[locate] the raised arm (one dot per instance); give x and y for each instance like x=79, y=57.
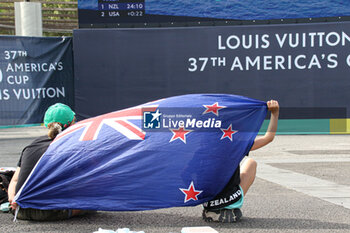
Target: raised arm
x=272, y=106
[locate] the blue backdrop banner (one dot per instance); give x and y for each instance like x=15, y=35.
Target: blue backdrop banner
x=304, y=66
x=34, y=73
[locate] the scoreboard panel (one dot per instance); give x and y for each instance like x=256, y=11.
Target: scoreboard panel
x=131, y=13
x=139, y=13
x=122, y=8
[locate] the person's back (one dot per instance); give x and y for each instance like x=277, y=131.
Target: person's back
x=58, y=117
x=30, y=156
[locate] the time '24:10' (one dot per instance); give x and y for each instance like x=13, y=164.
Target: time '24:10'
x=134, y=6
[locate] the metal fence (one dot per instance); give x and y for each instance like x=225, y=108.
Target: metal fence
x=59, y=17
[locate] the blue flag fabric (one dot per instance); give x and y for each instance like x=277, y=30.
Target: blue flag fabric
x=178, y=151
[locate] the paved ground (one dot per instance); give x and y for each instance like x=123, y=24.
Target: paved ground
x=303, y=185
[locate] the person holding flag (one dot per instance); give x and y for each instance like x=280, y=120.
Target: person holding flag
x=185, y=149
x=225, y=207
x=57, y=118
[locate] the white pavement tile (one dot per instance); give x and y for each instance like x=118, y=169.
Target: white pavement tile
x=312, y=186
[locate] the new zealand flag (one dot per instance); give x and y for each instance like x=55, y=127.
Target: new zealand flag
x=178, y=151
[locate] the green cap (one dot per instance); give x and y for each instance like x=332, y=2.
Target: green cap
x=59, y=113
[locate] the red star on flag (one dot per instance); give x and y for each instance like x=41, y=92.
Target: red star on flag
x=214, y=108
x=191, y=193
x=179, y=133
x=228, y=133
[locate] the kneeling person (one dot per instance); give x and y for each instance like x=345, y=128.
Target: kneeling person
x=225, y=207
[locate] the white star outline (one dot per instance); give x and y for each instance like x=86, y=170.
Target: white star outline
x=174, y=134
x=194, y=189
x=229, y=137
x=209, y=111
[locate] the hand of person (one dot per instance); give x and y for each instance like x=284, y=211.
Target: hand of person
x=13, y=205
x=273, y=106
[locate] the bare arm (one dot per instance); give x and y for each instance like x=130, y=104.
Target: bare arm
x=12, y=185
x=272, y=106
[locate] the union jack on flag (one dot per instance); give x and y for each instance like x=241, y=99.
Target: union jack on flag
x=110, y=162
x=120, y=121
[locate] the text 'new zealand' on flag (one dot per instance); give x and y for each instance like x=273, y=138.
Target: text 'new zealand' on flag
x=178, y=151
